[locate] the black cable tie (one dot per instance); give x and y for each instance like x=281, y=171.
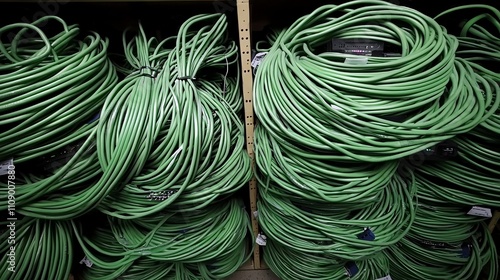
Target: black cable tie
x=154, y=71
x=186, y=78
x=148, y=75
x=151, y=68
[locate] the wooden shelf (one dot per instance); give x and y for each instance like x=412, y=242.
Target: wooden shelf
x=244, y=29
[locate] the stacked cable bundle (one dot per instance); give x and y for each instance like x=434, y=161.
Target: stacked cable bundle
x=162, y=131
x=355, y=117
x=51, y=90
x=170, y=143
x=167, y=136
x=334, y=130
x=158, y=153
x=445, y=242
x=473, y=178
x=208, y=244
x=337, y=237
x=36, y=249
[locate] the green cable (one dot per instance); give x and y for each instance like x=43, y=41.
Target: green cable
x=331, y=133
x=189, y=148
x=158, y=143
x=413, y=261
x=473, y=178
x=49, y=93
x=433, y=245
x=316, y=106
x=470, y=181
x=290, y=264
x=442, y=224
x=208, y=244
x=333, y=231
x=46, y=100
x=42, y=249
x=316, y=177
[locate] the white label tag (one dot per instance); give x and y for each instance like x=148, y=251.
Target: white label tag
x=261, y=239
x=86, y=261
x=335, y=107
x=388, y=277
x=4, y=166
x=480, y=212
x=255, y=214
x=362, y=60
x=258, y=59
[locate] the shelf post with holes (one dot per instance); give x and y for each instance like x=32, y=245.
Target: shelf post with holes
x=247, y=83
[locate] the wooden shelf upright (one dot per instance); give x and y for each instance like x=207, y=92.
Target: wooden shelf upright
x=244, y=26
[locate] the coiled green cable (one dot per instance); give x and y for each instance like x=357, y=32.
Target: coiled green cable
x=316, y=177
x=290, y=264
x=413, y=261
x=189, y=148
x=43, y=249
x=155, y=139
x=441, y=223
x=319, y=108
x=310, y=227
x=50, y=89
x=447, y=188
x=207, y=244
x=473, y=178
x=318, y=114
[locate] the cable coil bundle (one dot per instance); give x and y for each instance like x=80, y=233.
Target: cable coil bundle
x=347, y=117
x=444, y=242
x=174, y=141
x=208, y=244
x=291, y=264
x=334, y=231
x=335, y=128
x=51, y=90
x=36, y=249
x=159, y=153
x=170, y=143
x=473, y=178
x=411, y=260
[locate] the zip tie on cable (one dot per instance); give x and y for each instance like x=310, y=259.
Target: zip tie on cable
x=186, y=78
x=154, y=71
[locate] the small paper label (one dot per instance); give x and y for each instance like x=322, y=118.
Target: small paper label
x=261, y=239
x=335, y=107
x=388, y=277
x=258, y=59
x=480, y=212
x=255, y=214
x=356, y=60
x=4, y=166
x=86, y=261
